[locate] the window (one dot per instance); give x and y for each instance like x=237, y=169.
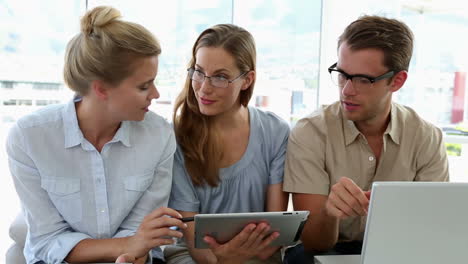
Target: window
x=7, y=84
x=33, y=36
x=287, y=35
x=47, y=86
x=46, y=102
x=24, y=102
x=10, y=102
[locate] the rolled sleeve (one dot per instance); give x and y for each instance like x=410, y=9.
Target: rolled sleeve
x=155, y=252
x=54, y=249
x=432, y=159
x=50, y=238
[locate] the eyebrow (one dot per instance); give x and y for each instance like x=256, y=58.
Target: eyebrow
x=356, y=75
x=145, y=83
x=217, y=71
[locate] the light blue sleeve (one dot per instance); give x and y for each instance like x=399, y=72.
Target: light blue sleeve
x=183, y=193
x=50, y=238
x=279, y=134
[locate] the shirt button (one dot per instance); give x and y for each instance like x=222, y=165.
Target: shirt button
x=102, y=211
x=371, y=158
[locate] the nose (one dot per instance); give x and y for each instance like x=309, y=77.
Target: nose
x=154, y=92
x=206, y=86
x=348, y=88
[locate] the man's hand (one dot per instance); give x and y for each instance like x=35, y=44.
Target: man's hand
x=250, y=242
x=346, y=200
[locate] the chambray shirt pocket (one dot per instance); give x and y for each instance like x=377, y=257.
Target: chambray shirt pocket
x=66, y=196
x=136, y=185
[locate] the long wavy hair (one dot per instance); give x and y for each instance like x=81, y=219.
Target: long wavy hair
x=195, y=132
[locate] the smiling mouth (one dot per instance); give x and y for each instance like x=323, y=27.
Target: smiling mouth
x=206, y=101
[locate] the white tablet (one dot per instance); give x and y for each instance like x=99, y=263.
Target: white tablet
x=223, y=227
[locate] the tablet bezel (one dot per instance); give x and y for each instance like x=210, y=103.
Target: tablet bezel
x=223, y=227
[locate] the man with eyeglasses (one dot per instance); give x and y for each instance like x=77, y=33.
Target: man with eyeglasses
x=335, y=154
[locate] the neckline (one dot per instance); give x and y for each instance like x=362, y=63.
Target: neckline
x=247, y=154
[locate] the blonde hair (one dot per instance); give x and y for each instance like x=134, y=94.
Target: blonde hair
x=194, y=131
x=105, y=49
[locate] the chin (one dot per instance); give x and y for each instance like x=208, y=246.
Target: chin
x=353, y=116
x=208, y=111
x=137, y=118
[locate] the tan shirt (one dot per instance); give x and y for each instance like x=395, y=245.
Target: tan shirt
x=324, y=147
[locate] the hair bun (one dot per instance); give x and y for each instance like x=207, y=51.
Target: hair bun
x=98, y=17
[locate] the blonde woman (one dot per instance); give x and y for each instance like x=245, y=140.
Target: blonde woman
x=230, y=156
x=91, y=173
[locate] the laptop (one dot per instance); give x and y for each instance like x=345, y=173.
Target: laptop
x=412, y=223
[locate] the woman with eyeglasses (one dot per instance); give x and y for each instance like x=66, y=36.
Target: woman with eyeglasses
x=230, y=156
x=91, y=173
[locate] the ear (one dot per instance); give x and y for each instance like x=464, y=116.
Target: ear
x=398, y=81
x=99, y=89
x=249, y=79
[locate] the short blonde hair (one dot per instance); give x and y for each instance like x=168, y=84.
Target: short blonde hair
x=105, y=49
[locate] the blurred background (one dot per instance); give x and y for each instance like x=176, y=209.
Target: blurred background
x=296, y=42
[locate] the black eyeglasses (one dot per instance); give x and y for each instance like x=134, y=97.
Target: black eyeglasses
x=216, y=81
x=360, y=81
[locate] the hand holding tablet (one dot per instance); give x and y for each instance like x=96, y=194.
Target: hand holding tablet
x=224, y=227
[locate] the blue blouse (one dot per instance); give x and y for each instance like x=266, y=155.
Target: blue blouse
x=243, y=185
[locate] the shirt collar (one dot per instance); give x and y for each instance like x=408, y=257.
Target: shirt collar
x=351, y=132
x=123, y=134
x=73, y=134
x=393, y=129
x=71, y=130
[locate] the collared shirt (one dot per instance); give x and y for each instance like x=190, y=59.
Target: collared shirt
x=325, y=146
x=69, y=191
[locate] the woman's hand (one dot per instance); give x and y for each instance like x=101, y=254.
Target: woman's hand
x=268, y=252
x=154, y=231
x=250, y=242
x=127, y=258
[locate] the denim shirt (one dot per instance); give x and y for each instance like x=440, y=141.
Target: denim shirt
x=69, y=191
